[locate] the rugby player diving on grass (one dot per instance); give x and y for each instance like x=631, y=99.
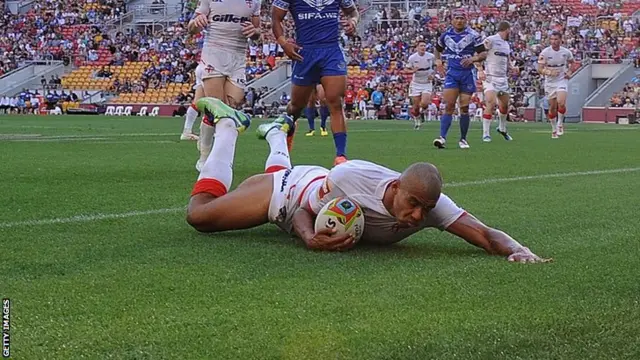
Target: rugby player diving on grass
x=395, y=205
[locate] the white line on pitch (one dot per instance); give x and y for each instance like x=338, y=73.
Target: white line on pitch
x=542, y=176
x=96, y=217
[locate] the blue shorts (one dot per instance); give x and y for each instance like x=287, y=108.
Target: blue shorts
x=465, y=81
x=318, y=62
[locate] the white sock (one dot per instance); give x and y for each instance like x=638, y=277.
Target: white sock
x=206, y=140
x=554, y=127
x=560, y=119
x=220, y=162
x=486, y=127
x=189, y=120
x=279, y=155
x=502, y=124
x=416, y=121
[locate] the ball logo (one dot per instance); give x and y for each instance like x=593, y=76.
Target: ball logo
x=330, y=223
x=345, y=211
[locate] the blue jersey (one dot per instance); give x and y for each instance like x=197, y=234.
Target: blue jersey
x=317, y=21
x=456, y=46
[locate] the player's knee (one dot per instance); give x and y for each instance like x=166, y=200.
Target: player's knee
x=333, y=102
x=199, y=221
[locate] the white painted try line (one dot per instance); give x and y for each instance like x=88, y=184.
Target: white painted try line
x=89, y=218
x=543, y=176
x=96, y=217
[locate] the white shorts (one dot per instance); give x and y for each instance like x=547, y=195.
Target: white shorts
x=551, y=89
x=199, y=73
x=289, y=187
x=496, y=84
x=419, y=89
x=221, y=63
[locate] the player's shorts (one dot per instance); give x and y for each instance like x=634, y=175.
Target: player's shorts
x=416, y=89
x=464, y=81
x=377, y=107
x=318, y=62
x=551, y=89
x=497, y=84
x=221, y=63
x=348, y=107
x=199, y=73
x=289, y=186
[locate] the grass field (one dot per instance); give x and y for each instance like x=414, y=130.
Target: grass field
x=99, y=262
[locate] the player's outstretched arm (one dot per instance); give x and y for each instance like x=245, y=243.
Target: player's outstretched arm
x=493, y=241
x=303, y=225
x=352, y=16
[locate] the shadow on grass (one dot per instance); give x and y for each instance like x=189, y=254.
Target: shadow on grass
x=273, y=238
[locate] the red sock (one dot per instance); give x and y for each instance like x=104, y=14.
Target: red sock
x=487, y=116
x=209, y=186
x=193, y=106
x=274, y=168
x=562, y=110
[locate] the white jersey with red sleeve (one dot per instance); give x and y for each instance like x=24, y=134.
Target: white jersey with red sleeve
x=365, y=183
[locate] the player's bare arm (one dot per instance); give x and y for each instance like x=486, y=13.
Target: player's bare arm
x=480, y=56
x=543, y=69
x=352, y=18
x=569, y=73
x=252, y=29
x=438, y=55
x=277, y=17
x=198, y=23
x=493, y=241
x=303, y=225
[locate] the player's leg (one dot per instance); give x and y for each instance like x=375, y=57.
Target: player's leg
x=324, y=110
x=415, y=110
x=212, y=87
x=503, y=109
x=310, y=114
x=553, y=113
x=191, y=116
x=304, y=77
x=211, y=207
x=276, y=135
x=425, y=101
x=465, y=120
x=450, y=97
x=562, y=110
x=489, y=106
x=334, y=87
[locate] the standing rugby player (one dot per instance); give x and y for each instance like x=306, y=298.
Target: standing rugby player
x=228, y=24
x=461, y=46
x=317, y=58
x=420, y=64
x=495, y=81
x=554, y=64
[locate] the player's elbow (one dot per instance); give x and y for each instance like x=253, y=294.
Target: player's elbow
x=200, y=223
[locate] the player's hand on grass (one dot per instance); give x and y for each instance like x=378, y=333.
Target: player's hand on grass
x=349, y=26
x=326, y=239
x=249, y=30
x=200, y=22
x=292, y=51
x=524, y=256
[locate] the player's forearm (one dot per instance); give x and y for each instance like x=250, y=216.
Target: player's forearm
x=303, y=223
x=478, y=58
x=276, y=26
x=500, y=243
x=353, y=15
x=192, y=28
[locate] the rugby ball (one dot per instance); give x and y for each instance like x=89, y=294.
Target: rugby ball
x=342, y=214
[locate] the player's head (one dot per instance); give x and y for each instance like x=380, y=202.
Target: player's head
x=555, y=40
x=459, y=19
x=416, y=192
x=503, y=29
x=422, y=47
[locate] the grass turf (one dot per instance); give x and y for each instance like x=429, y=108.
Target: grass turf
x=146, y=286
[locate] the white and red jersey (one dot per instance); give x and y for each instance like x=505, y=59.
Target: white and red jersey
x=497, y=61
x=224, y=31
x=423, y=65
x=365, y=183
x=555, y=60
